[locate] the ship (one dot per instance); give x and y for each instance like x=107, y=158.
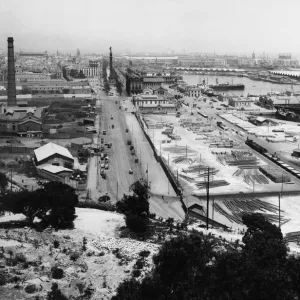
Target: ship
x=227, y=87
x=288, y=112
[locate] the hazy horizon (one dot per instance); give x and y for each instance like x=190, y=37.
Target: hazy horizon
x=232, y=26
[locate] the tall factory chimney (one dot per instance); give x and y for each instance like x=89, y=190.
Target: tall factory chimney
x=11, y=80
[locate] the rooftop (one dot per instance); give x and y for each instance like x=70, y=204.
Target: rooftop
x=50, y=149
x=55, y=169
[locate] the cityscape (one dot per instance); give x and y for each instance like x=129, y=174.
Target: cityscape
x=141, y=161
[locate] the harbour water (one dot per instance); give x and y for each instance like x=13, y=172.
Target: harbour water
x=252, y=87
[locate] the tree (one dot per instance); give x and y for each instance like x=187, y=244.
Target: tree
x=191, y=267
x=136, y=223
x=133, y=204
x=3, y=182
x=54, y=203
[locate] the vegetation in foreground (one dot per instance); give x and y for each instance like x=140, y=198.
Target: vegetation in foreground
x=196, y=267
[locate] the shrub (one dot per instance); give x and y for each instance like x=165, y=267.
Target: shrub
x=144, y=253
x=57, y=273
x=56, y=244
x=20, y=258
x=136, y=273
x=56, y=293
x=117, y=253
x=139, y=264
x=84, y=242
x=3, y=277
x=107, y=206
x=136, y=223
x=74, y=255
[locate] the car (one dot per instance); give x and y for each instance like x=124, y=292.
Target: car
x=102, y=165
x=130, y=171
x=106, y=166
x=111, y=118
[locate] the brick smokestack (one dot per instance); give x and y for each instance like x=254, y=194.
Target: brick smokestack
x=11, y=80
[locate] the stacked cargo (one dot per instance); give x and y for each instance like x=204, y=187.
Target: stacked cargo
x=275, y=174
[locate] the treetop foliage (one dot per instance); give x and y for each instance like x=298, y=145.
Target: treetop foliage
x=193, y=267
x=54, y=203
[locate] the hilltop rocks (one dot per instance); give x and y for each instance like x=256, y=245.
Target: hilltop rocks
x=127, y=246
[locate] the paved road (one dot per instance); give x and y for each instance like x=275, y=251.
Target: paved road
x=120, y=159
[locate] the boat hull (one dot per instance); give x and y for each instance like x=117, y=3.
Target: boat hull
x=228, y=87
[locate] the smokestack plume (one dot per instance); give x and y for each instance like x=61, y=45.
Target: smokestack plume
x=11, y=80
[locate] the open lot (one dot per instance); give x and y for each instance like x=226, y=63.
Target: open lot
x=195, y=149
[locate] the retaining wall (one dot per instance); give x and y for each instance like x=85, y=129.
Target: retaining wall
x=168, y=173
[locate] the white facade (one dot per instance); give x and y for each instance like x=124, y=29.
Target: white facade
x=90, y=72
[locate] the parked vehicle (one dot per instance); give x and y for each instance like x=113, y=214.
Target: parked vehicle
x=113, y=126
x=130, y=171
x=104, y=132
x=129, y=142
x=106, y=166
x=102, y=165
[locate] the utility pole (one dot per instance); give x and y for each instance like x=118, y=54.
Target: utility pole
x=279, y=198
x=168, y=160
x=147, y=175
x=177, y=176
x=279, y=210
x=213, y=208
x=185, y=151
x=160, y=150
x=207, y=203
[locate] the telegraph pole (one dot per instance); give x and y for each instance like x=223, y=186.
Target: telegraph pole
x=279, y=198
x=207, y=203
x=147, y=175
x=213, y=208
x=185, y=151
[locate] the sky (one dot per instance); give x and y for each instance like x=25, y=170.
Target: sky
x=223, y=26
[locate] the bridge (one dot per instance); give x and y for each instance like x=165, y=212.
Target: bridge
x=204, y=69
